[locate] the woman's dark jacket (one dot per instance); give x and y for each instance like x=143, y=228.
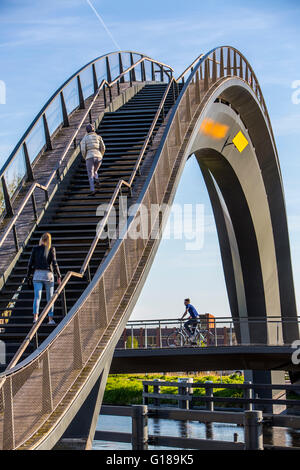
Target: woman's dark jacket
x=41, y=258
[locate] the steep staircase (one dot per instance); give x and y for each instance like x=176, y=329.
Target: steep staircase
x=71, y=218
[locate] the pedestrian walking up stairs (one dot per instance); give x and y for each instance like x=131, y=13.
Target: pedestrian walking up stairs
x=53, y=378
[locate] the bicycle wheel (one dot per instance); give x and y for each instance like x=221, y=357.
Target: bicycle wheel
x=176, y=339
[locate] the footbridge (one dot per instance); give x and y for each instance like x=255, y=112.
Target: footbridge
x=53, y=378
x=148, y=346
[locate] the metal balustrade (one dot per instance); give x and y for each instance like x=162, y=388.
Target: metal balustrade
x=37, y=392
x=98, y=75
x=153, y=333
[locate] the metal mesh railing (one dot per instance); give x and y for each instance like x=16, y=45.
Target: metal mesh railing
x=35, y=389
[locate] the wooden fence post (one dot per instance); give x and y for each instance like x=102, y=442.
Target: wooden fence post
x=253, y=430
x=156, y=389
x=209, y=393
x=248, y=393
x=139, y=427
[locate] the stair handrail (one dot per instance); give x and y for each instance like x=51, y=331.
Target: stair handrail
x=22, y=144
x=12, y=222
x=34, y=330
x=104, y=221
x=255, y=87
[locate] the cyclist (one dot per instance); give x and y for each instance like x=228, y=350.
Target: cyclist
x=192, y=321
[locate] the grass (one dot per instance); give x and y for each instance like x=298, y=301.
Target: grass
x=127, y=389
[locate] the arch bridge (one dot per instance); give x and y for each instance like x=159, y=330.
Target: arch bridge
x=54, y=377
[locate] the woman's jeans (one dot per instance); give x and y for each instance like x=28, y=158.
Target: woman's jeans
x=92, y=166
x=38, y=289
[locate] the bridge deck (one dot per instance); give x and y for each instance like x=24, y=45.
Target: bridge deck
x=202, y=359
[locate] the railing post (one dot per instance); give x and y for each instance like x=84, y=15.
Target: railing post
x=183, y=389
x=156, y=389
x=34, y=206
x=253, y=430
x=228, y=69
x=152, y=72
x=209, y=394
x=145, y=390
x=214, y=68
x=216, y=336
x=64, y=110
x=246, y=73
x=248, y=394
x=47, y=133
x=162, y=76
x=95, y=79
x=29, y=171
x=63, y=302
x=197, y=85
x=132, y=71
x=16, y=240
x=8, y=416
x=241, y=74
x=160, y=339
x=108, y=73
x=221, y=62
x=206, y=75
x=80, y=93
x=47, y=386
x=121, y=70
x=146, y=337
x=104, y=96
x=139, y=427
x=234, y=64
x=7, y=200
x=143, y=75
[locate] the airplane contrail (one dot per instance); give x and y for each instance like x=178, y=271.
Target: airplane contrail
x=103, y=24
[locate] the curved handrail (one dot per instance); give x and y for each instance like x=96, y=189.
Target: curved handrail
x=59, y=93
x=108, y=267
x=12, y=222
x=100, y=230
x=122, y=183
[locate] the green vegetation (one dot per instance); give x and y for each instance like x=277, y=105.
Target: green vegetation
x=126, y=389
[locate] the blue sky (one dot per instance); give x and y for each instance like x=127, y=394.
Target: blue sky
x=42, y=43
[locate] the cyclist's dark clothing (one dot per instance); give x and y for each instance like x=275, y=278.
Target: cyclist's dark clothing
x=191, y=322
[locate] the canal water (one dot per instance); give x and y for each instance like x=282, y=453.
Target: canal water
x=190, y=429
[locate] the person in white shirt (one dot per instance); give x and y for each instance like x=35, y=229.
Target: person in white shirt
x=92, y=150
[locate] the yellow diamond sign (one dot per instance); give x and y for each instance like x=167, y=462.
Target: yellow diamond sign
x=240, y=141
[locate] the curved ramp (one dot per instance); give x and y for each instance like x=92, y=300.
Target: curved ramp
x=43, y=394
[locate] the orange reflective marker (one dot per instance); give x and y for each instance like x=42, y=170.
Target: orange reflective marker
x=214, y=129
x=240, y=141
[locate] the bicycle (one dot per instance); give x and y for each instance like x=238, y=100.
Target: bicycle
x=180, y=337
